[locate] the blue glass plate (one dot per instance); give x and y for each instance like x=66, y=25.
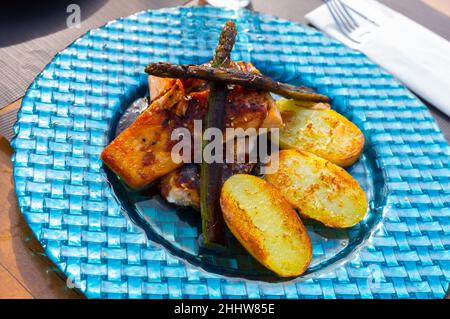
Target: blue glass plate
x=113, y=243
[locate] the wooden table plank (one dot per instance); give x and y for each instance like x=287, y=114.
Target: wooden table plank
x=443, y=6
x=11, y=288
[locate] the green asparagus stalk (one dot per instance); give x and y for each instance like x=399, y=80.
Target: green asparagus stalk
x=213, y=225
x=233, y=76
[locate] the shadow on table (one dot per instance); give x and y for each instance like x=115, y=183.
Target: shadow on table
x=22, y=21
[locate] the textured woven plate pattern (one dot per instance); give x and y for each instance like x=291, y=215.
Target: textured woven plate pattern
x=64, y=194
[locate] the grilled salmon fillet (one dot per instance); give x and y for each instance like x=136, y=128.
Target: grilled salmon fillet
x=245, y=107
x=182, y=186
x=142, y=152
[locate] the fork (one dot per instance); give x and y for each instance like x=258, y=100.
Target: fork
x=347, y=24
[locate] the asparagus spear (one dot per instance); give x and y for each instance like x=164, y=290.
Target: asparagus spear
x=226, y=43
x=231, y=76
x=213, y=225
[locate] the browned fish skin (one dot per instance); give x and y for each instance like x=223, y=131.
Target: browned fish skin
x=244, y=107
x=142, y=152
x=182, y=186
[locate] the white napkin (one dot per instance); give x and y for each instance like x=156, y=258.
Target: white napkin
x=415, y=55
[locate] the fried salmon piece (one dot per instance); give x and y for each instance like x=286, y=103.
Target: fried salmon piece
x=158, y=86
x=245, y=108
x=139, y=154
x=182, y=186
x=273, y=117
x=142, y=152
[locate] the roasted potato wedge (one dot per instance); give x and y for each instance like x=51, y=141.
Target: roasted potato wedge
x=305, y=104
x=320, y=189
x=323, y=132
x=266, y=225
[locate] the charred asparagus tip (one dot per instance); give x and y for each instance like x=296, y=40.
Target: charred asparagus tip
x=226, y=43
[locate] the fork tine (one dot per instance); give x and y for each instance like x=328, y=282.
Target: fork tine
x=337, y=18
x=343, y=25
x=348, y=8
x=342, y=14
x=346, y=13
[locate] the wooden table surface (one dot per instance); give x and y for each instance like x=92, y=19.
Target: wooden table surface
x=25, y=272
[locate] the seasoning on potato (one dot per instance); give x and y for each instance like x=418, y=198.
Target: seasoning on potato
x=320, y=131
x=320, y=189
x=266, y=224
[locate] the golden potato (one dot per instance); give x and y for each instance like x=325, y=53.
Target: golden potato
x=323, y=132
x=266, y=225
x=320, y=189
x=306, y=104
